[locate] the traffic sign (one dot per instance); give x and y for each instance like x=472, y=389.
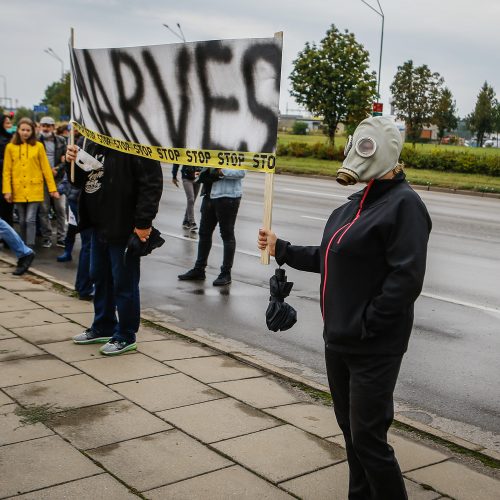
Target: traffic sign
x=40, y=108
x=377, y=109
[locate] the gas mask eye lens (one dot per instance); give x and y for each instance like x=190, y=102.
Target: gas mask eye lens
x=366, y=147
x=348, y=145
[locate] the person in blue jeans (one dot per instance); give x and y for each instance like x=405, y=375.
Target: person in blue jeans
x=120, y=196
x=23, y=253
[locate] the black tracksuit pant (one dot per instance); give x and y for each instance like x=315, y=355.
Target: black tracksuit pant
x=222, y=211
x=362, y=389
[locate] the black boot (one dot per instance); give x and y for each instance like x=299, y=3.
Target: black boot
x=223, y=279
x=23, y=264
x=195, y=274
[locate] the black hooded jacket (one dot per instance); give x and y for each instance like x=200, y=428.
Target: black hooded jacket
x=128, y=196
x=372, y=263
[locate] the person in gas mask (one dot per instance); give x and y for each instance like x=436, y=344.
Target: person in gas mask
x=372, y=262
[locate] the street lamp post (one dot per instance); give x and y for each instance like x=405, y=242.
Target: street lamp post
x=51, y=53
x=380, y=12
x=181, y=36
x=4, y=88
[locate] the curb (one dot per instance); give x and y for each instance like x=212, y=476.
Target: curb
x=220, y=346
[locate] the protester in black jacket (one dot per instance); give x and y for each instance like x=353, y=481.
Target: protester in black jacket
x=372, y=263
x=118, y=198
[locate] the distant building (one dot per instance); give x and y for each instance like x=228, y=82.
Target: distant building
x=285, y=122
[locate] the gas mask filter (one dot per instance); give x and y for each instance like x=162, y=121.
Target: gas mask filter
x=371, y=152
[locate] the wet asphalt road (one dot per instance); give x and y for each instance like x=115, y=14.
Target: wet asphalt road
x=450, y=375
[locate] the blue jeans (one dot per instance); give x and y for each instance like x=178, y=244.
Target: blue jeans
x=27, y=221
x=116, y=289
x=83, y=283
x=16, y=244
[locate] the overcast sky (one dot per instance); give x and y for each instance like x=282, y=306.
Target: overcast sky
x=459, y=39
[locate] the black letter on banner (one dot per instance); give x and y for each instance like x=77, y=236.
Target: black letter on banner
x=177, y=134
x=130, y=105
x=270, y=53
x=102, y=117
x=78, y=87
x=205, y=52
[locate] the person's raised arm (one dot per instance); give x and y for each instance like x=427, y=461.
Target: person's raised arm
x=303, y=258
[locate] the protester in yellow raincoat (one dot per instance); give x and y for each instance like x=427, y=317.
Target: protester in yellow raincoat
x=25, y=169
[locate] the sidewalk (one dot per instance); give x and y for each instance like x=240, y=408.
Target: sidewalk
x=175, y=420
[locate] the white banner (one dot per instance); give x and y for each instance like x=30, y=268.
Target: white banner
x=211, y=103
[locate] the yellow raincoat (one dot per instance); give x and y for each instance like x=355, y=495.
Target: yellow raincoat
x=24, y=169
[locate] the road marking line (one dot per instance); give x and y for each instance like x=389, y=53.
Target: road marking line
x=461, y=303
x=218, y=245
x=313, y=193
x=314, y=218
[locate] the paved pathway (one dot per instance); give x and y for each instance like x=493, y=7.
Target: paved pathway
x=177, y=420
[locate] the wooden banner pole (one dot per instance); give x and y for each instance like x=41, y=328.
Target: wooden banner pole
x=72, y=131
x=268, y=198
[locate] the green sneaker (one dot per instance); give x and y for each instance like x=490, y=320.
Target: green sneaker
x=90, y=336
x=115, y=347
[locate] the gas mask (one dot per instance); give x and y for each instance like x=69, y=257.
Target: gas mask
x=371, y=152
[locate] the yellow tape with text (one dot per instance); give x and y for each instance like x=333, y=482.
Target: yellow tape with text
x=235, y=160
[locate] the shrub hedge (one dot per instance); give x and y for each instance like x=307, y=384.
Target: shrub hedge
x=446, y=161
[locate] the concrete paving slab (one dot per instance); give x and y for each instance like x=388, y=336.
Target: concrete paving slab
x=21, y=285
x=169, y=391
x=84, y=319
x=261, y=392
x=4, y=399
x=153, y=461
x=16, y=348
x=112, y=370
x=33, y=317
x=49, y=460
x=45, y=334
x=220, y=419
x=105, y=424
x=164, y=350
x=413, y=455
x=63, y=393
x=101, y=487
x=410, y=454
x=46, y=295
x=6, y=334
x=232, y=482
x=12, y=430
x=69, y=351
x=149, y=334
x=281, y=453
x=314, y=418
x=457, y=481
x=332, y=483
x=12, y=302
x=215, y=369
x=68, y=306
x=37, y=368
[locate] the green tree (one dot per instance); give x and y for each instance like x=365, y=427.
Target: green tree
x=57, y=97
x=22, y=113
x=482, y=120
x=416, y=91
x=445, y=117
x=332, y=80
